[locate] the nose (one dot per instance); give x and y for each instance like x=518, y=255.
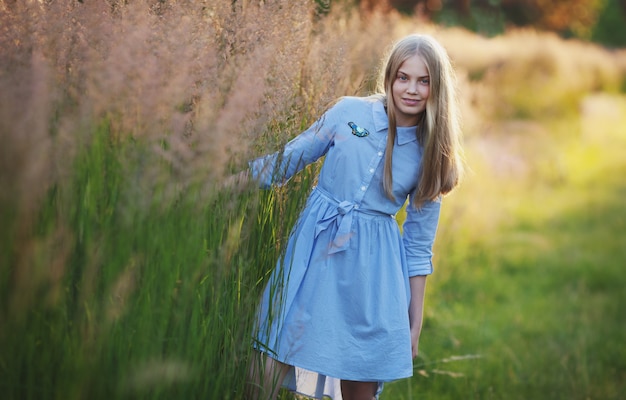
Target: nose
x=412, y=88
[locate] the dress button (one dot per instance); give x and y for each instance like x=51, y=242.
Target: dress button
x=363, y=188
x=380, y=154
x=371, y=170
x=356, y=206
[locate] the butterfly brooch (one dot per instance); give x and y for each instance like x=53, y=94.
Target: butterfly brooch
x=357, y=130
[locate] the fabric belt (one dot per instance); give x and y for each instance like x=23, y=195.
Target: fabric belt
x=342, y=217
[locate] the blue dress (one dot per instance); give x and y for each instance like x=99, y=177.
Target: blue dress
x=337, y=302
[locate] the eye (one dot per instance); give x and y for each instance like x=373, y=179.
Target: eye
x=403, y=77
x=424, y=81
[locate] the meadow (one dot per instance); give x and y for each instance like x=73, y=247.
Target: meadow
x=128, y=269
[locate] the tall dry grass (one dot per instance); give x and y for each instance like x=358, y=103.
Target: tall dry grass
x=117, y=121
x=207, y=78
x=199, y=82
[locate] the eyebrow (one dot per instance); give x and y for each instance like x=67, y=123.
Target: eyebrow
x=419, y=77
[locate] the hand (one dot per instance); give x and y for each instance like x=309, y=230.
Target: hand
x=415, y=338
x=237, y=182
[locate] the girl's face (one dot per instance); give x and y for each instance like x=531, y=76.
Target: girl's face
x=410, y=90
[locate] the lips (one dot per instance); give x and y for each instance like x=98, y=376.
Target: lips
x=410, y=102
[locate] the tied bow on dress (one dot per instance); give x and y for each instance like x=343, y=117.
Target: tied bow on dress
x=341, y=215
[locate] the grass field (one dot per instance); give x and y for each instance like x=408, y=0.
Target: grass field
x=531, y=305
x=127, y=271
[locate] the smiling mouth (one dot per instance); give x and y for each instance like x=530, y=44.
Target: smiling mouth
x=411, y=101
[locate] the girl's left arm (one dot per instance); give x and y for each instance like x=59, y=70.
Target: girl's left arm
x=419, y=230
x=416, y=310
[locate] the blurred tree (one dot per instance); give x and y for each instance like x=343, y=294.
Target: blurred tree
x=610, y=29
x=370, y=6
x=482, y=16
x=566, y=17
x=406, y=6
x=603, y=21
x=322, y=7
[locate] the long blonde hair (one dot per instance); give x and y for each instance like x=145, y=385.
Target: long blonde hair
x=438, y=131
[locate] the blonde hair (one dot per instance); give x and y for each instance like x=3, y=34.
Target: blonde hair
x=438, y=131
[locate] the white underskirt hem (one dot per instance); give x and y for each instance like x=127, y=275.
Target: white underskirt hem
x=314, y=385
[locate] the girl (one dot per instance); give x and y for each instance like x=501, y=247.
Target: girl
x=346, y=301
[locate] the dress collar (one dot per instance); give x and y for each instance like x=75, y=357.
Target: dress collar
x=405, y=134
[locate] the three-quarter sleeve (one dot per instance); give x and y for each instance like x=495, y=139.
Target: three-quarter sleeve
x=419, y=230
x=306, y=148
